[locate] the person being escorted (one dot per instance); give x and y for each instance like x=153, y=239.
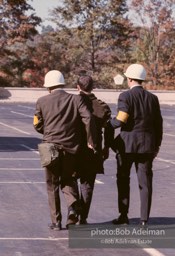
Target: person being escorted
x=89, y=164
x=59, y=117
x=140, y=119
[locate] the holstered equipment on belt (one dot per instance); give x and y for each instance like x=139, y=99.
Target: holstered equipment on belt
x=49, y=153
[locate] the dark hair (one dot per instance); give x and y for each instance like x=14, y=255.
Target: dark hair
x=137, y=80
x=56, y=87
x=85, y=82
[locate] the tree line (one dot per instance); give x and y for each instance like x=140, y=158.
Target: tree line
x=101, y=37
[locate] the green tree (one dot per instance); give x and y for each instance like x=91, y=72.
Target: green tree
x=94, y=35
x=46, y=54
x=17, y=26
x=155, y=45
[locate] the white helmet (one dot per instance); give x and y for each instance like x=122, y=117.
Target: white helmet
x=53, y=78
x=136, y=71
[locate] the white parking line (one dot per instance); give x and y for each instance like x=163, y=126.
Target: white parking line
x=33, y=182
x=165, y=160
x=26, y=107
x=35, y=238
x=14, y=128
x=168, y=134
x=165, y=109
x=168, y=118
x=20, y=169
x=22, y=182
x=19, y=159
x=22, y=114
x=30, y=149
x=98, y=182
x=153, y=252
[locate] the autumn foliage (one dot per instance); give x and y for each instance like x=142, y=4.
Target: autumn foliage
x=100, y=36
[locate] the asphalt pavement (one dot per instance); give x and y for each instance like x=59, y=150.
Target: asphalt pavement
x=24, y=212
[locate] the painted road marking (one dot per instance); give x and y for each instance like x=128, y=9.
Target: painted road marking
x=22, y=182
x=99, y=182
x=19, y=159
x=35, y=238
x=20, y=169
x=168, y=134
x=34, y=182
x=168, y=118
x=22, y=114
x=153, y=252
x=30, y=149
x=14, y=128
x=164, y=160
x=26, y=107
x=166, y=109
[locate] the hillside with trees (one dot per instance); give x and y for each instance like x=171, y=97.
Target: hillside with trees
x=16, y=29
x=100, y=36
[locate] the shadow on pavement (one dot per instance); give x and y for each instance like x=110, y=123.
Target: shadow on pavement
x=13, y=144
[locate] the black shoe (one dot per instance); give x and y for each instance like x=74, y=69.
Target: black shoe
x=72, y=219
x=55, y=226
x=122, y=219
x=143, y=223
x=83, y=222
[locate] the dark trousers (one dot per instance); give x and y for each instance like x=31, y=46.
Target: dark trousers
x=143, y=165
x=61, y=175
x=86, y=191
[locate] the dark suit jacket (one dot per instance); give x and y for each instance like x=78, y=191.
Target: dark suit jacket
x=89, y=162
x=142, y=132
x=58, y=117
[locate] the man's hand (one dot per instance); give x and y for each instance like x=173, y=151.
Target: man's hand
x=91, y=147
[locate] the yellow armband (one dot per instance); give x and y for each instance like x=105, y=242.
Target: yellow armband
x=35, y=120
x=122, y=116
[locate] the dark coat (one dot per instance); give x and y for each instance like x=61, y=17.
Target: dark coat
x=142, y=132
x=59, y=118
x=88, y=161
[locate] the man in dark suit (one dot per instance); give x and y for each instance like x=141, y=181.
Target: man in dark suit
x=140, y=119
x=89, y=164
x=59, y=117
